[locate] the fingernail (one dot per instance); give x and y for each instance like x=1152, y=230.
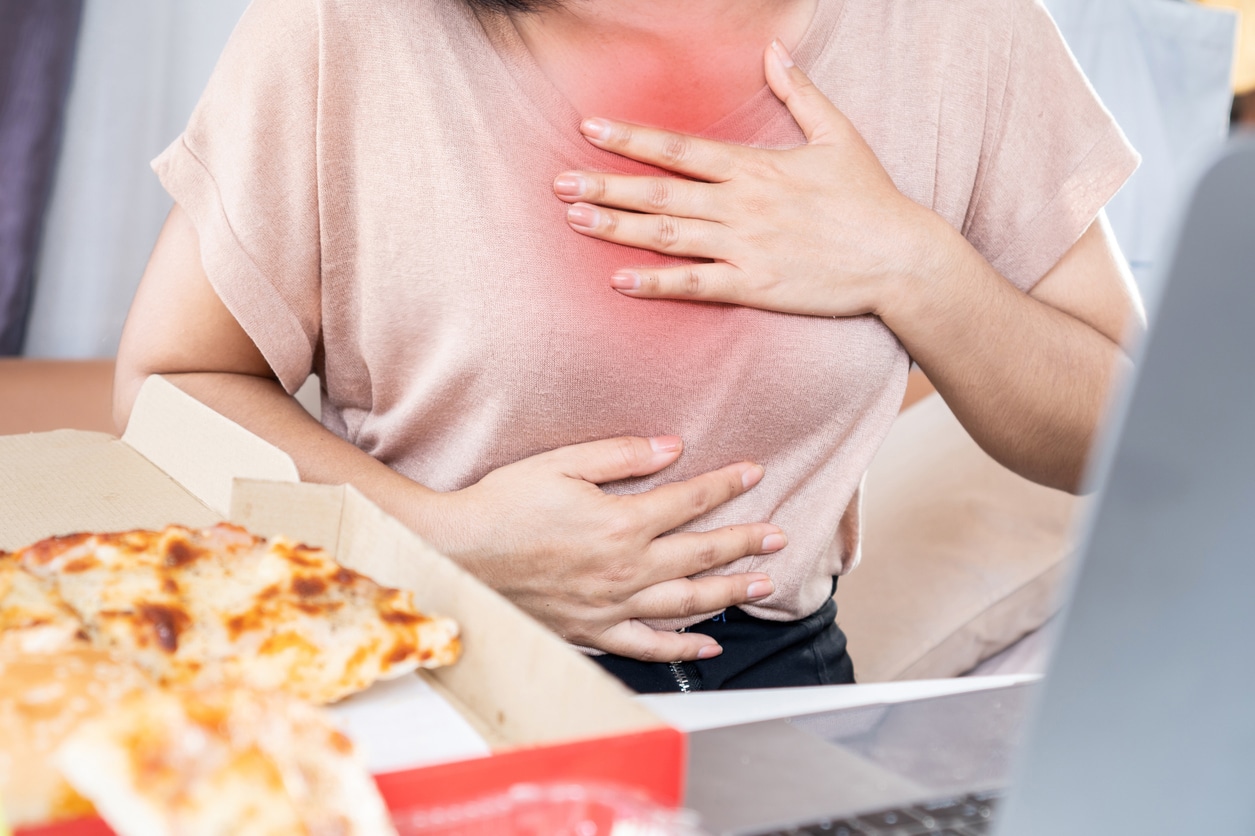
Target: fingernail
x=783, y=54
x=624, y=280
x=710, y=651
x=752, y=476
x=595, y=128
x=583, y=216
x=760, y=589
x=666, y=443
x=774, y=542
x=569, y=185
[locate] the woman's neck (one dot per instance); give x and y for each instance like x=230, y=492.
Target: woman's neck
x=677, y=64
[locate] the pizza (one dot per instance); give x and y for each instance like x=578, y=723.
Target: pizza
x=202, y=607
x=222, y=762
x=44, y=698
x=33, y=617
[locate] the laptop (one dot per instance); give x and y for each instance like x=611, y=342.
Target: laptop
x=1145, y=721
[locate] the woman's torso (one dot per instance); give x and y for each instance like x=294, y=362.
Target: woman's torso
x=465, y=326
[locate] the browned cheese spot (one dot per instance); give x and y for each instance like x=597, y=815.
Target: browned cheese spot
x=209, y=714
x=400, y=652
x=287, y=641
x=360, y=657
x=166, y=623
x=302, y=556
x=80, y=564
x=308, y=587
x=403, y=618
x=344, y=577
x=131, y=544
x=320, y=608
x=269, y=592
x=129, y=541
x=170, y=585
x=180, y=552
x=245, y=621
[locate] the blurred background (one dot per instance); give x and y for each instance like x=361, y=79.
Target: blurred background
x=91, y=90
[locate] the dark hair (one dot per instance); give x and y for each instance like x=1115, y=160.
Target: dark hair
x=516, y=5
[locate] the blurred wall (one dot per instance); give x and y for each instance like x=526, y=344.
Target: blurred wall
x=37, y=48
x=1162, y=67
x=140, y=69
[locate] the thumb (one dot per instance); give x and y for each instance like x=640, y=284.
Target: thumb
x=818, y=117
x=612, y=459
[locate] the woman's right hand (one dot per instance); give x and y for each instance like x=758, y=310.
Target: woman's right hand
x=589, y=564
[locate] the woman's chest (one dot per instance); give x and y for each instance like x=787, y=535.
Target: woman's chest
x=470, y=287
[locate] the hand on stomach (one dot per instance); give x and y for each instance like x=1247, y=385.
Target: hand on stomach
x=590, y=565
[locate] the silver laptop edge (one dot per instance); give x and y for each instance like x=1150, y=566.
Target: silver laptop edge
x=1146, y=720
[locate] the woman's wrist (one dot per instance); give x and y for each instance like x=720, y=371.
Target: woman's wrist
x=936, y=262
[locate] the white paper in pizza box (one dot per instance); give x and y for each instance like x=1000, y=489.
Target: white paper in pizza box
x=179, y=462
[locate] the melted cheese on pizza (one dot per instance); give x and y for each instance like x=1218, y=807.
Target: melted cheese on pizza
x=44, y=698
x=33, y=617
x=198, y=607
x=222, y=761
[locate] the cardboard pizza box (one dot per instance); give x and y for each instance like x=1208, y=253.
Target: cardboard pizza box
x=549, y=714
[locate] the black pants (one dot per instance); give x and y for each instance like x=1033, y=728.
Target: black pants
x=756, y=654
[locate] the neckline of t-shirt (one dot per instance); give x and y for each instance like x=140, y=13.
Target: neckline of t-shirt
x=742, y=126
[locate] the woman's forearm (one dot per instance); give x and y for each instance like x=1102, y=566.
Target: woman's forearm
x=261, y=406
x=1028, y=381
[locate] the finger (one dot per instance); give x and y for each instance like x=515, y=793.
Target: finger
x=702, y=159
x=661, y=233
x=667, y=506
x=638, y=641
x=814, y=113
x=687, y=597
x=715, y=281
x=612, y=459
x=654, y=195
x=690, y=553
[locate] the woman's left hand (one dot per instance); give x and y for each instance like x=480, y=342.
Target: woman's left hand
x=820, y=229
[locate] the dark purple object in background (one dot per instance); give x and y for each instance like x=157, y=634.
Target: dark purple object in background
x=37, y=43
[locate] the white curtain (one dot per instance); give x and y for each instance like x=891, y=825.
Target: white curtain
x=1162, y=67
x=141, y=67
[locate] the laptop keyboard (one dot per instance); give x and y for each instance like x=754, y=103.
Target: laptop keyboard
x=969, y=815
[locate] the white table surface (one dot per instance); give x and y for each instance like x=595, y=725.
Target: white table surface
x=713, y=709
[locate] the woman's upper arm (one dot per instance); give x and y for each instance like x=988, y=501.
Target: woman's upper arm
x=177, y=322
x=1092, y=283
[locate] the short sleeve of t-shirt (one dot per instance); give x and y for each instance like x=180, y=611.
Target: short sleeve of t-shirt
x=245, y=171
x=1051, y=155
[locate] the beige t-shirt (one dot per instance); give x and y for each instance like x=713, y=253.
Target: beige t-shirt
x=372, y=185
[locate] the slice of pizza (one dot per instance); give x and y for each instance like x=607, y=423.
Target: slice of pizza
x=198, y=607
x=44, y=698
x=33, y=617
x=222, y=762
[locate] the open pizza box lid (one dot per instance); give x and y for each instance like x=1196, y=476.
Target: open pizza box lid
x=548, y=714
